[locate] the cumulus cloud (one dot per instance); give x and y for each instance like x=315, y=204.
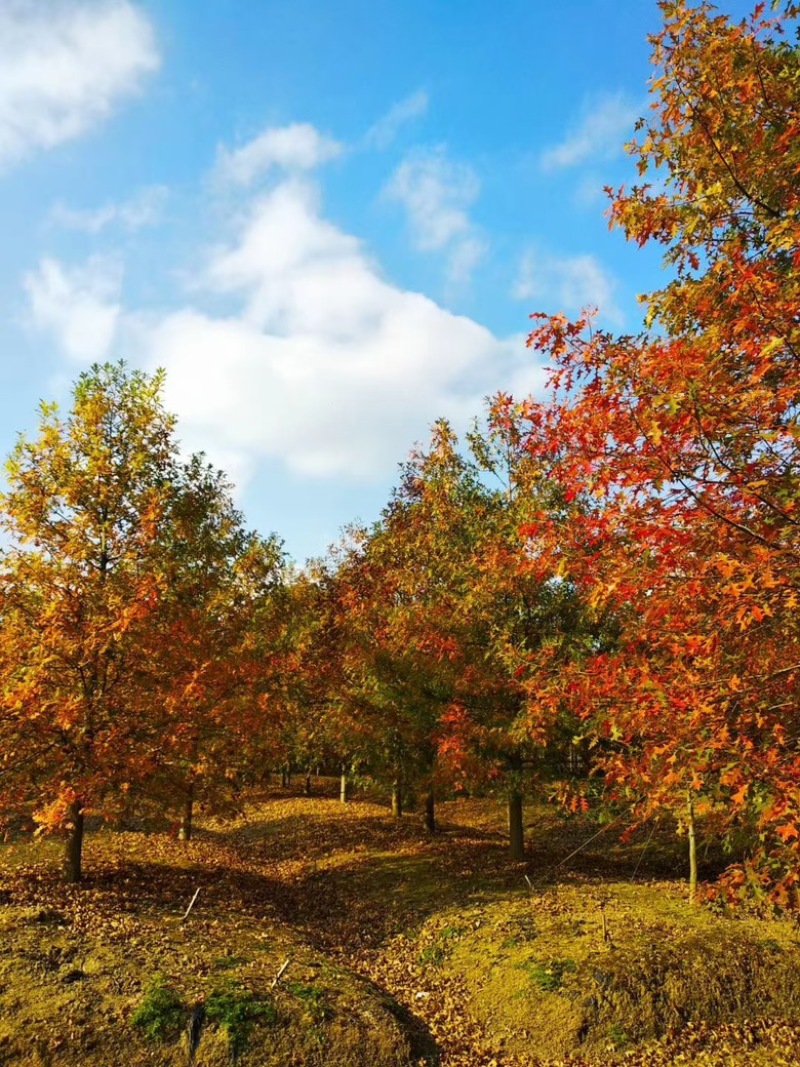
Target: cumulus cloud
x=298, y=147
x=325, y=365
x=78, y=306
x=570, y=282
x=291, y=346
x=605, y=124
x=64, y=66
x=437, y=194
x=386, y=129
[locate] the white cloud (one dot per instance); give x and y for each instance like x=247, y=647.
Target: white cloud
x=325, y=365
x=606, y=123
x=570, y=282
x=64, y=66
x=299, y=147
x=464, y=257
x=318, y=362
x=144, y=208
x=385, y=130
x=79, y=306
x=437, y=194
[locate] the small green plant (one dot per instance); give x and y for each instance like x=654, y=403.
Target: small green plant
x=236, y=1010
x=617, y=1036
x=435, y=953
x=549, y=977
x=161, y=1013
x=313, y=997
x=432, y=954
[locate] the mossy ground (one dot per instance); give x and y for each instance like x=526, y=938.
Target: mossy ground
x=403, y=948
x=603, y=969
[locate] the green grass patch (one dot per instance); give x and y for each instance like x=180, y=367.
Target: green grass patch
x=617, y=1036
x=236, y=1011
x=313, y=998
x=548, y=976
x=432, y=956
x=161, y=1013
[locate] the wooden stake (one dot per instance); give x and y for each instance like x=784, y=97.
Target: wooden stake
x=277, y=977
x=191, y=905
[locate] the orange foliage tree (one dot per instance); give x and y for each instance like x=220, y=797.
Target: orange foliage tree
x=125, y=578
x=214, y=653
x=684, y=441
x=443, y=612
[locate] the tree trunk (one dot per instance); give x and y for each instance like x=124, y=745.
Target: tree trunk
x=397, y=798
x=74, y=848
x=516, y=832
x=185, y=831
x=284, y=778
x=343, y=787
x=308, y=783
x=429, y=817
x=692, y=852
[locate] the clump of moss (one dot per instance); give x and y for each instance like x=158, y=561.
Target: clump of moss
x=161, y=1013
x=313, y=998
x=236, y=1011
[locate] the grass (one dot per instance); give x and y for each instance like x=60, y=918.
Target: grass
x=161, y=1013
x=314, y=999
x=548, y=977
x=237, y=1011
x=402, y=948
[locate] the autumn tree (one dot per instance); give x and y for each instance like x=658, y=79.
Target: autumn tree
x=446, y=610
x=213, y=654
x=116, y=551
x=387, y=698
x=686, y=439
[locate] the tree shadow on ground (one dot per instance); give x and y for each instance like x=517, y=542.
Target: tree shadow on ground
x=353, y=875
x=365, y=879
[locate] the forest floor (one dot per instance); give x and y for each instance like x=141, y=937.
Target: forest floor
x=390, y=947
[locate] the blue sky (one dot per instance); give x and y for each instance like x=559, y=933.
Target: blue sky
x=328, y=222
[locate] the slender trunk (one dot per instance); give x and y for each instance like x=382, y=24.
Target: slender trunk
x=343, y=787
x=185, y=832
x=397, y=798
x=429, y=817
x=516, y=832
x=308, y=783
x=74, y=847
x=692, y=852
x=284, y=778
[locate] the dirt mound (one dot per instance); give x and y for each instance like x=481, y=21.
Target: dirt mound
x=599, y=970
